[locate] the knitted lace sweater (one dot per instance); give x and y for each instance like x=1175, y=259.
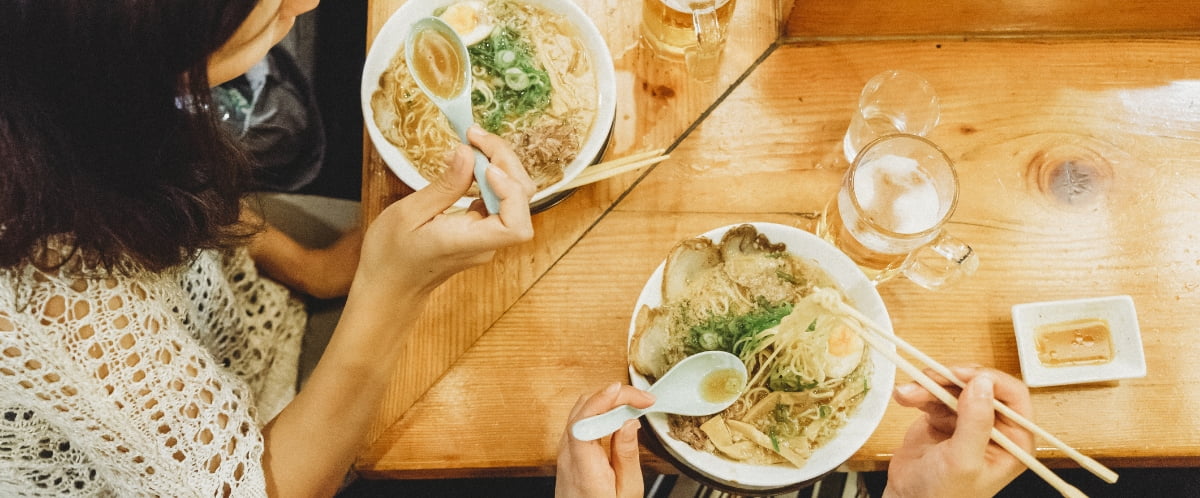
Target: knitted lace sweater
x=143, y=385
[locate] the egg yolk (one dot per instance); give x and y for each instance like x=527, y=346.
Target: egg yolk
x=844, y=342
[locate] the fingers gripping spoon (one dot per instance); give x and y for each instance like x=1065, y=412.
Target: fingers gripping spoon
x=701, y=384
x=439, y=63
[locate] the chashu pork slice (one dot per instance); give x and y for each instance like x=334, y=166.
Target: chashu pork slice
x=650, y=350
x=687, y=261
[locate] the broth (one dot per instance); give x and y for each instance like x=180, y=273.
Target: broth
x=1077, y=342
x=720, y=385
x=437, y=63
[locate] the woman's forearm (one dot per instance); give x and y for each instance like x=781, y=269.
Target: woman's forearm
x=314, y=440
x=280, y=257
x=322, y=273
x=410, y=249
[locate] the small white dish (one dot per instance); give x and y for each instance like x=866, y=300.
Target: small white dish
x=1128, y=360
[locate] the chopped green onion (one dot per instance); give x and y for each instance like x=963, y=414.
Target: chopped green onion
x=506, y=59
x=788, y=382
x=516, y=79
x=510, y=97
x=812, y=326
x=781, y=413
x=733, y=333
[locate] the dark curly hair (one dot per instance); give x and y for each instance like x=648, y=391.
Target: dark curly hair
x=106, y=141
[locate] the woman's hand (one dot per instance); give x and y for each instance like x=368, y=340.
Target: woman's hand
x=950, y=455
x=413, y=247
x=410, y=249
x=586, y=468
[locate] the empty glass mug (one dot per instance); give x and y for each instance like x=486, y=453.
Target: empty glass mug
x=891, y=102
x=890, y=212
x=691, y=30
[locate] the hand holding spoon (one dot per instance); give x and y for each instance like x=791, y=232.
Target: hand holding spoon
x=701, y=384
x=439, y=63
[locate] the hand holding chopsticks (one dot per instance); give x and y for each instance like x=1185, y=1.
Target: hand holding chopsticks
x=876, y=337
x=947, y=453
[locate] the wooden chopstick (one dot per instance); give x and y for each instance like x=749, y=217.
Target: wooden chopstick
x=609, y=169
x=873, y=339
x=945, y=397
x=1096, y=468
x=605, y=170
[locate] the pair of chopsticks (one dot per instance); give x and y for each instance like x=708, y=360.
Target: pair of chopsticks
x=873, y=339
x=606, y=170
x=609, y=169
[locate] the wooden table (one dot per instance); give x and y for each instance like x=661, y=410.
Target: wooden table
x=504, y=350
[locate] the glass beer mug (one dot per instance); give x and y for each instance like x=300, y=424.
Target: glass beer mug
x=690, y=30
x=890, y=213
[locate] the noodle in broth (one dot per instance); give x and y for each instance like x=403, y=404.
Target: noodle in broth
x=808, y=367
x=546, y=136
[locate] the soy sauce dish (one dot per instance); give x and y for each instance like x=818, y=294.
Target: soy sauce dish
x=1078, y=341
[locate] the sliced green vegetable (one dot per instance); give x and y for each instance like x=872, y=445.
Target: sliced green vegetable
x=516, y=79
x=734, y=333
x=513, y=95
x=788, y=382
x=781, y=413
x=506, y=58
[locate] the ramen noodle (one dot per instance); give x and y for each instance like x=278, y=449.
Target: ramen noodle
x=807, y=364
x=532, y=84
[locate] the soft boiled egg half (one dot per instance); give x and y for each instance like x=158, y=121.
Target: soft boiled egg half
x=843, y=351
x=470, y=20
x=840, y=347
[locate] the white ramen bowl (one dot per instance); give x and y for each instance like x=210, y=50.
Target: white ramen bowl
x=862, y=295
x=390, y=41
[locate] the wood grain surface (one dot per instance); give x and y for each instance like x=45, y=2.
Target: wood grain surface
x=504, y=350
x=1126, y=112
x=861, y=19
x=656, y=103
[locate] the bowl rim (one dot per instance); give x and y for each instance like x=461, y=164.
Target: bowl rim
x=1129, y=360
x=864, y=296
x=393, y=33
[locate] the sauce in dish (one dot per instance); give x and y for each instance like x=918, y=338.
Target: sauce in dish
x=720, y=385
x=1077, y=342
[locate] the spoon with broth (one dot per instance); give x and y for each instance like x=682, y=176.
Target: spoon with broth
x=701, y=384
x=440, y=65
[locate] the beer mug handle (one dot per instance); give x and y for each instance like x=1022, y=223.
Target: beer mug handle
x=703, y=58
x=940, y=263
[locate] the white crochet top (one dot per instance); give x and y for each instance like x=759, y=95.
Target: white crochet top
x=150, y=385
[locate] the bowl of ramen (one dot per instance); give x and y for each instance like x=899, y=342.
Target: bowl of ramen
x=542, y=79
x=766, y=293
